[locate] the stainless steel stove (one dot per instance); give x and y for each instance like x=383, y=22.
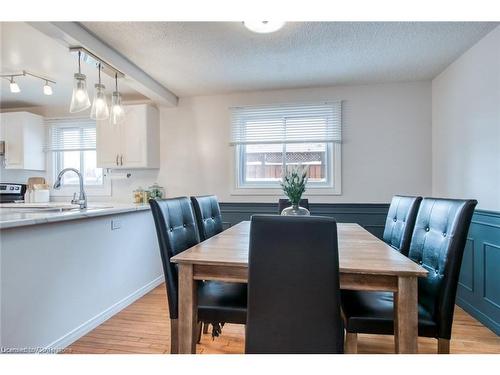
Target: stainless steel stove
x=10, y=193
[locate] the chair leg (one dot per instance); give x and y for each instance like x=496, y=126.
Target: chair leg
x=205, y=328
x=200, y=325
x=443, y=346
x=174, y=336
x=351, y=343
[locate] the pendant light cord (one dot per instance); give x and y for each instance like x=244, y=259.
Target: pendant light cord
x=99, y=73
x=79, y=66
x=116, y=82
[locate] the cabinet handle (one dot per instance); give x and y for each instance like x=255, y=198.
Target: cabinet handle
x=121, y=160
x=116, y=159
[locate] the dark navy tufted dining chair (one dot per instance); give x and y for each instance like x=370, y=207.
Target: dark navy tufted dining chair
x=208, y=216
x=218, y=302
x=401, y=221
x=437, y=244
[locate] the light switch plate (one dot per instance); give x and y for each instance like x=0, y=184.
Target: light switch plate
x=116, y=224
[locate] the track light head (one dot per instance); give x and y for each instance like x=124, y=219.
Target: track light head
x=47, y=89
x=14, y=87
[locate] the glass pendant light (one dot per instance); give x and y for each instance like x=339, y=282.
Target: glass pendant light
x=80, y=98
x=117, y=113
x=100, y=110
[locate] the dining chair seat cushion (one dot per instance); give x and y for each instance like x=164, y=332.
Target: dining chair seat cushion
x=222, y=302
x=373, y=313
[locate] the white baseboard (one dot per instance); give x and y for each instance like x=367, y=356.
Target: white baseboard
x=100, y=318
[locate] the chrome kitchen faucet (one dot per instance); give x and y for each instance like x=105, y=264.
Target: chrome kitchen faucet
x=82, y=199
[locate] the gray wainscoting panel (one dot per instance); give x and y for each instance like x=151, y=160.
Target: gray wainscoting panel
x=479, y=287
x=369, y=215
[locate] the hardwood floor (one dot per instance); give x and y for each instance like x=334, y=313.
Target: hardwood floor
x=144, y=327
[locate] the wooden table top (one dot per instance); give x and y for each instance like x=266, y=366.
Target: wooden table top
x=359, y=252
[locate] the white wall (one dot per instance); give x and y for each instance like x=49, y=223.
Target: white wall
x=466, y=126
x=386, y=141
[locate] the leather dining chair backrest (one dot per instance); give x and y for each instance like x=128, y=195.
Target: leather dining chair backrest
x=400, y=222
x=293, y=286
x=438, y=244
x=284, y=203
x=208, y=216
x=176, y=230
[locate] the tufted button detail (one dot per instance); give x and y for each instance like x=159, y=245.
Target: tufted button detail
x=171, y=229
x=427, y=229
x=394, y=219
x=184, y=225
x=444, y=234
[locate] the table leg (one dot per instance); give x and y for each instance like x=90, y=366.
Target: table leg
x=406, y=315
x=187, y=309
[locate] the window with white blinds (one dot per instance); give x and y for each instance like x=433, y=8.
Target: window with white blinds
x=287, y=123
x=270, y=139
x=71, y=143
x=71, y=135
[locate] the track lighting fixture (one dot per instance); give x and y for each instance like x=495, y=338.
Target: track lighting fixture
x=14, y=87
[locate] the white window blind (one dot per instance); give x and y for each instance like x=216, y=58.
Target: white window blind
x=287, y=123
x=71, y=135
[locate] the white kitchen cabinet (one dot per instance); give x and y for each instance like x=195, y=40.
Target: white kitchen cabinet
x=24, y=137
x=132, y=144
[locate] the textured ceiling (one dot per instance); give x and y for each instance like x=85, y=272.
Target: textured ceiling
x=25, y=48
x=198, y=58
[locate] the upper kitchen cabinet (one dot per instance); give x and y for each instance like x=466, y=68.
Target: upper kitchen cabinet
x=24, y=137
x=132, y=144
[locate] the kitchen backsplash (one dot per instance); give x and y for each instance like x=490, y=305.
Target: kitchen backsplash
x=121, y=187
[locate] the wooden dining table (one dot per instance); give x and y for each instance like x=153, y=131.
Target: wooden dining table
x=365, y=263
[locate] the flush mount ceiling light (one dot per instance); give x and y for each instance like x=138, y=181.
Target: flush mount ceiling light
x=80, y=99
x=14, y=87
x=263, y=27
x=117, y=112
x=100, y=110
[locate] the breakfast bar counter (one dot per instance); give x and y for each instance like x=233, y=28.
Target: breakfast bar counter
x=14, y=215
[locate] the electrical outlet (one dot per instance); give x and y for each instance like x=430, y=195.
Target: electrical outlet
x=116, y=224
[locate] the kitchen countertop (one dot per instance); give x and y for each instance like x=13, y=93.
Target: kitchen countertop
x=11, y=217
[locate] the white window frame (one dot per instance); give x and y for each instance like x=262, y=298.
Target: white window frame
x=103, y=190
x=333, y=161
x=333, y=187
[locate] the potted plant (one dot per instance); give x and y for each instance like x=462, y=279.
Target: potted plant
x=294, y=182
